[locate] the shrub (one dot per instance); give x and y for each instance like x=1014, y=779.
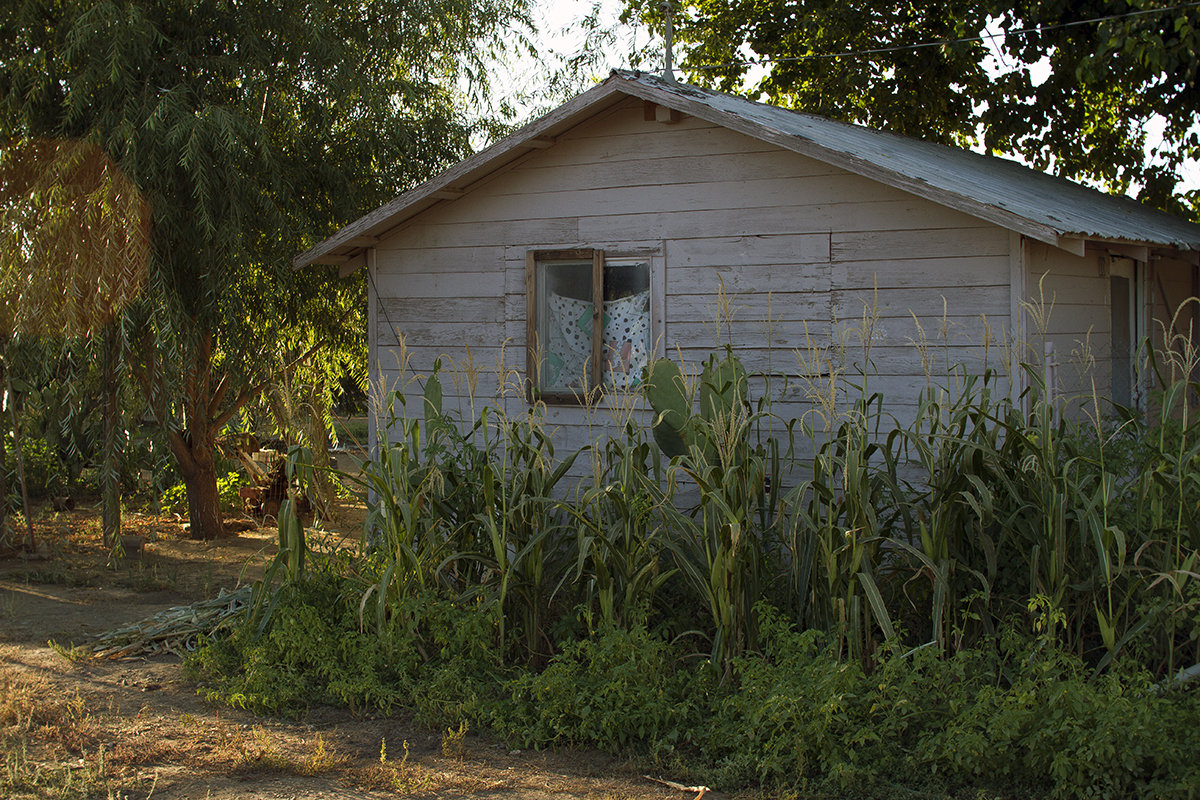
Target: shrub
x=174, y=499
x=314, y=652
x=44, y=473
x=617, y=690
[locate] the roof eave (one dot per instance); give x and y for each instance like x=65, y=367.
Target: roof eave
x=345, y=246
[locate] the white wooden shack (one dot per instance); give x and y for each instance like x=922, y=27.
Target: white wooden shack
x=660, y=196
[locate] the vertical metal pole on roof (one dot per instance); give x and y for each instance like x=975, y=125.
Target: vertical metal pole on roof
x=668, y=71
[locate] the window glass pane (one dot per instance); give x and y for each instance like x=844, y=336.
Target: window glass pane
x=626, y=323
x=564, y=324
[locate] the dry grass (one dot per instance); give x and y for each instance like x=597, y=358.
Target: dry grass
x=33, y=707
x=52, y=744
x=389, y=775
x=56, y=745
x=261, y=752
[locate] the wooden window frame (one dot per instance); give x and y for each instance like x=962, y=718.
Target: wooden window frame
x=532, y=367
x=599, y=257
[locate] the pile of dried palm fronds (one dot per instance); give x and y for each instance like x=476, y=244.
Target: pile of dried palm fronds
x=176, y=629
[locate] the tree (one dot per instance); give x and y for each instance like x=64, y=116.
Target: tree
x=251, y=129
x=924, y=69
x=74, y=237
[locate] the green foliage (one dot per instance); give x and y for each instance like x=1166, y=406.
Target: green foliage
x=1013, y=715
x=44, y=474
x=1104, y=70
x=790, y=720
x=990, y=600
x=622, y=561
x=619, y=688
x=352, y=432
x=433, y=656
x=1019, y=716
x=719, y=548
x=174, y=498
x=472, y=509
x=312, y=653
x=245, y=130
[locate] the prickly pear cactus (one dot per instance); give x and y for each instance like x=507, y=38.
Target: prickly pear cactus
x=723, y=387
x=666, y=392
x=723, y=390
x=435, y=423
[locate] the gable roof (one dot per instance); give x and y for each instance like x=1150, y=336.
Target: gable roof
x=1004, y=192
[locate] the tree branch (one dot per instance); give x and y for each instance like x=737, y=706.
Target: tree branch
x=250, y=392
x=218, y=396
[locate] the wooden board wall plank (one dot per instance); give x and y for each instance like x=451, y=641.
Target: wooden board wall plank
x=929, y=302
x=812, y=248
x=905, y=214
x=422, y=356
x=1058, y=286
x=905, y=273
x=695, y=140
x=443, y=284
x=752, y=309
x=950, y=242
x=467, y=310
x=750, y=279
x=902, y=360
x=642, y=170
x=474, y=335
x=1070, y=308
x=451, y=258
x=564, y=201
x=547, y=234
x=446, y=242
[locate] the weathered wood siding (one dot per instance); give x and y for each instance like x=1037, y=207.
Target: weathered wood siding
x=802, y=249
x=1067, y=303
x=1173, y=319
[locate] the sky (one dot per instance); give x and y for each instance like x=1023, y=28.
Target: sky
x=559, y=36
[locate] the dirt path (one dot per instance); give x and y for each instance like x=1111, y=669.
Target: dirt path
x=134, y=728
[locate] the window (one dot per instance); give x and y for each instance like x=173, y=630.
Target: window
x=572, y=348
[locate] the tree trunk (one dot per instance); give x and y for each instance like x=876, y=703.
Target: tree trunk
x=194, y=456
x=194, y=446
x=204, y=505
x=3, y=463
x=110, y=471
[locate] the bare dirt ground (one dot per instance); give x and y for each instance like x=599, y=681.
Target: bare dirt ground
x=134, y=728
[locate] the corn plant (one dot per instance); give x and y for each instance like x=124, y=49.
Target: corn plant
x=718, y=548
x=836, y=524
x=960, y=526
x=939, y=531
x=529, y=556
x=620, y=526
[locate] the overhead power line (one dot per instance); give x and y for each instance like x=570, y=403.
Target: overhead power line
x=762, y=60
